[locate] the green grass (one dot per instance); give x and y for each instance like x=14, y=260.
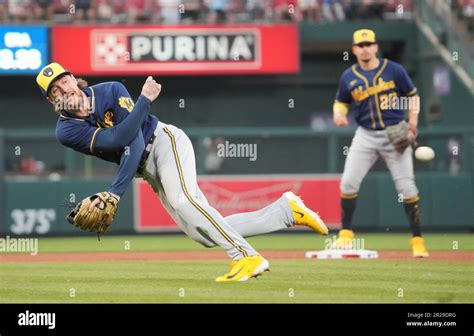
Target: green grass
x=290, y=281
x=303, y=241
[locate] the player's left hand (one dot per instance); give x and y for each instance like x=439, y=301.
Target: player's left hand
x=402, y=135
x=95, y=213
x=403, y=144
x=99, y=203
x=411, y=136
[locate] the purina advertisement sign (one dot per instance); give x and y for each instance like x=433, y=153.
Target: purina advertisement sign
x=236, y=194
x=23, y=49
x=177, y=50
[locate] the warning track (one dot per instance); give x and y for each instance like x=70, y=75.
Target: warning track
x=447, y=256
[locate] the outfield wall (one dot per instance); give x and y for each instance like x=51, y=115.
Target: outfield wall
x=39, y=207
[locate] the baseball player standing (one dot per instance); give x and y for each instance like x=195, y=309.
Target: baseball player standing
x=375, y=86
x=102, y=120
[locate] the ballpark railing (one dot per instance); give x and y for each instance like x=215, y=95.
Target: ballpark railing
x=301, y=144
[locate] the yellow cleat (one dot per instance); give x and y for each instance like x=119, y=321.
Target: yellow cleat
x=418, y=247
x=245, y=268
x=344, y=241
x=233, y=263
x=304, y=215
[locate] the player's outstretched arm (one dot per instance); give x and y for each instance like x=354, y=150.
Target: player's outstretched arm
x=128, y=165
x=129, y=162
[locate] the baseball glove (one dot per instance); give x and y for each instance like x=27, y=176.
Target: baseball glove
x=399, y=136
x=99, y=218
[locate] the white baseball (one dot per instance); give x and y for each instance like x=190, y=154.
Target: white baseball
x=424, y=153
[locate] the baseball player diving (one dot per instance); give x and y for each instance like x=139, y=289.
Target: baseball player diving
x=102, y=120
x=373, y=86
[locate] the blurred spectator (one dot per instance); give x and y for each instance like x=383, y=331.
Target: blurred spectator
x=194, y=11
x=64, y=11
x=85, y=10
x=4, y=11
x=371, y=9
x=64, y=7
x=43, y=9
x=138, y=10
x=310, y=9
x=31, y=166
x=119, y=12
x=218, y=10
x=225, y=11
x=21, y=10
x=467, y=7
x=333, y=11
x=399, y=8
x=286, y=10
x=213, y=162
x=104, y=10
x=255, y=9
x=236, y=11
x=376, y=9
x=467, y=12
x=169, y=11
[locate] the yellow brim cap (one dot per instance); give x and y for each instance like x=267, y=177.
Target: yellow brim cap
x=363, y=35
x=48, y=75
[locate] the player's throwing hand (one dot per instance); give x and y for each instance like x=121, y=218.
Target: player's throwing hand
x=151, y=89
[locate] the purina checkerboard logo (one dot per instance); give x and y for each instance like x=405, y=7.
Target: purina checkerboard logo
x=183, y=49
x=110, y=49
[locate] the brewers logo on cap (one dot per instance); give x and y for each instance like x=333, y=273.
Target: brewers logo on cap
x=364, y=35
x=48, y=75
x=48, y=72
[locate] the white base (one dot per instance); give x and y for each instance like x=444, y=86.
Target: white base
x=342, y=254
